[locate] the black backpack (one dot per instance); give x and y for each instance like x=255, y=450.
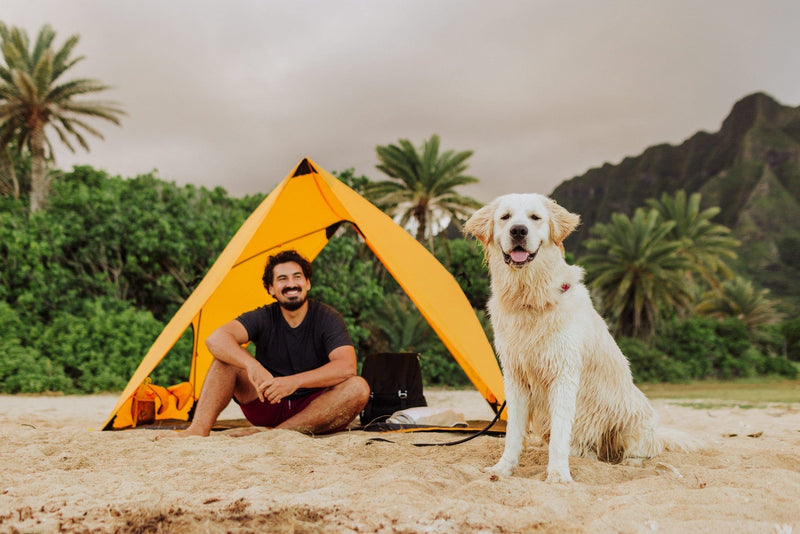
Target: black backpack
x=395, y=382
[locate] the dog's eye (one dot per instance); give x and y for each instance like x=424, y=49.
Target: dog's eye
x=505, y=217
x=535, y=217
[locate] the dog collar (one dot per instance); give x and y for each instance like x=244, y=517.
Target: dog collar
x=564, y=287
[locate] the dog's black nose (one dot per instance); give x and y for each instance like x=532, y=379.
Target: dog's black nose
x=518, y=230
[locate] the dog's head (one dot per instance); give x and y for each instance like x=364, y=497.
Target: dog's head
x=519, y=225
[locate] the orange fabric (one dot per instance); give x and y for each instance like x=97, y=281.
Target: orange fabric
x=151, y=403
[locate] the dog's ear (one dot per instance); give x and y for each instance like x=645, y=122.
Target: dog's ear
x=562, y=222
x=481, y=223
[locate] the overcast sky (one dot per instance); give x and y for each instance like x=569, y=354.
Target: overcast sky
x=235, y=93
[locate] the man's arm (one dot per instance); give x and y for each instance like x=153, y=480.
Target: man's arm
x=226, y=345
x=342, y=366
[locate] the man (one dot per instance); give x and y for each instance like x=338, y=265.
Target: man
x=304, y=374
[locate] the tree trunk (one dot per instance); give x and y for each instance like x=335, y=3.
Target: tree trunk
x=420, y=214
x=7, y=168
x=39, y=181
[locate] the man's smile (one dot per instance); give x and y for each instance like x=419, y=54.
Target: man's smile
x=291, y=291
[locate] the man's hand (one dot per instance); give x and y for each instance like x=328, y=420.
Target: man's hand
x=277, y=388
x=259, y=377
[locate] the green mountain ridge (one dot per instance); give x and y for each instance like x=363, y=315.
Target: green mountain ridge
x=750, y=168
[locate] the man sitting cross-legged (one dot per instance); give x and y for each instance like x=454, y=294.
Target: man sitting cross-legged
x=303, y=376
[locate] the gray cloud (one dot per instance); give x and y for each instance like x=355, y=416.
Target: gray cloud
x=236, y=93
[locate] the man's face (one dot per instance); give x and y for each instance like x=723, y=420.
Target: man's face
x=289, y=285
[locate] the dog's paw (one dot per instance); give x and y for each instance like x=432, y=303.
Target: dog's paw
x=501, y=468
x=558, y=476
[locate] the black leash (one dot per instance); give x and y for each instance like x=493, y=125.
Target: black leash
x=449, y=443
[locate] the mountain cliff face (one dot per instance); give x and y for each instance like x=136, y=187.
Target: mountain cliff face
x=750, y=168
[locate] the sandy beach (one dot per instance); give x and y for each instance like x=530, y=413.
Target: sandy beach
x=60, y=473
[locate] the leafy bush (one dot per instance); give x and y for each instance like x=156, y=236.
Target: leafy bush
x=441, y=369
x=86, y=286
x=648, y=364
x=101, y=347
x=22, y=368
x=176, y=365
x=776, y=365
x=791, y=333
x=711, y=348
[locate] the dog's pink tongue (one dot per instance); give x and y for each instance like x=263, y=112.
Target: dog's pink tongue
x=518, y=255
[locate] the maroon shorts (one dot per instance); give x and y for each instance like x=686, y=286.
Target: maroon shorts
x=271, y=415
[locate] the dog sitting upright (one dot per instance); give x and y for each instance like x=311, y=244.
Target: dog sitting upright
x=563, y=372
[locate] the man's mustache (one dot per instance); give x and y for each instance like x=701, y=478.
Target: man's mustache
x=287, y=289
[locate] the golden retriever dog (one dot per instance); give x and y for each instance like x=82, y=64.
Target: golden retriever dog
x=564, y=376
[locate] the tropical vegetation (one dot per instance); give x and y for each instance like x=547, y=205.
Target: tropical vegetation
x=637, y=271
x=34, y=98
x=89, y=278
x=88, y=283
x=708, y=246
x=422, y=186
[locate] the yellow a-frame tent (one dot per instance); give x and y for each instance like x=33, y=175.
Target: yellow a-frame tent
x=301, y=213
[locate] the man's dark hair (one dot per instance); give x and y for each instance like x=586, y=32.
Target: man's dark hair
x=285, y=256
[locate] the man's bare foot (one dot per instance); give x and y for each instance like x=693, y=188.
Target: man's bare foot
x=241, y=432
x=185, y=433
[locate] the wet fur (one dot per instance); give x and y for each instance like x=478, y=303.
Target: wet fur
x=565, y=378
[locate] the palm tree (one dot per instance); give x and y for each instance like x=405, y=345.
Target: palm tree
x=739, y=298
x=31, y=100
x=637, y=271
x=707, y=244
x=422, y=185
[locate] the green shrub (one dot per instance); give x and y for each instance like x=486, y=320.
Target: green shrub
x=648, y=364
x=711, y=348
x=777, y=365
x=24, y=370
x=791, y=333
x=11, y=325
x=174, y=368
x=691, y=342
x=100, y=348
x=439, y=368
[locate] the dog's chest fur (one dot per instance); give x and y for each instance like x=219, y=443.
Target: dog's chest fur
x=534, y=325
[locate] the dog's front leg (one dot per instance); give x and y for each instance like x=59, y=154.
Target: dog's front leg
x=563, y=398
x=518, y=411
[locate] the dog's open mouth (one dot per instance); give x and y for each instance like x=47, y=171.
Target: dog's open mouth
x=519, y=256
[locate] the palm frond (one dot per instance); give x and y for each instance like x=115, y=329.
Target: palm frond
x=43, y=44
x=63, y=137
x=43, y=72
x=94, y=109
x=423, y=184
x=23, y=82
x=78, y=87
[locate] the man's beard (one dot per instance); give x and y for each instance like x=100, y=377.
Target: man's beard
x=292, y=305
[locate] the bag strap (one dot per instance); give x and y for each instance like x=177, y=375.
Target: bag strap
x=449, y=443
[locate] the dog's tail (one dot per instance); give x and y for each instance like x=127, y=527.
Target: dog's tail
x=677, y=440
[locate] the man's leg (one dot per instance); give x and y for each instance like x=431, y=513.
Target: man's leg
x=222, y=382
x=331, y=410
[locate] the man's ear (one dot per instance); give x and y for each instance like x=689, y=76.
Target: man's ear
x=481, y=223
x=562, y=222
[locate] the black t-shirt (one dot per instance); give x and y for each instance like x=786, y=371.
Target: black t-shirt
x=285, y=351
